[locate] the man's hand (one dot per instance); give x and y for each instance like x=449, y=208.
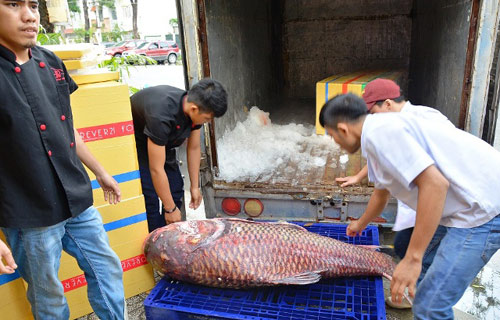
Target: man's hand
x=349, y=181
x=195, y=198
x=173, y=217
x=112, y=193
x=405, y=276
x=354, y=228
x=5, y=255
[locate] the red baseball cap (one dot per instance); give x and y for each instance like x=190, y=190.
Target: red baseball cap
x=380, y=89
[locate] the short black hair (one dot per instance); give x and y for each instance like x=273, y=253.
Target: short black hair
x=210, y=96
x=399, y=99
x=344, y=107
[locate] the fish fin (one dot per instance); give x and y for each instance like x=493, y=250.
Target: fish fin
x=299, y=279
x=280, y=223
x=405, y=295
x=285, y=224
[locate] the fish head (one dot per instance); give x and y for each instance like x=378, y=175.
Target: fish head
x=171, y=248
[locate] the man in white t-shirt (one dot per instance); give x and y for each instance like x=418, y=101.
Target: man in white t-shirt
x=384, y=95
x=448, y=176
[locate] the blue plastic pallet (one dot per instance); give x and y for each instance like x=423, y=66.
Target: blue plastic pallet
x=341, y=298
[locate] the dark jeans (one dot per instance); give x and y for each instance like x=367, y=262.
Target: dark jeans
x=156, y=218
x=402, y=240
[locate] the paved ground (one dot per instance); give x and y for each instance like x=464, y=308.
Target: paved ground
x=153, y=75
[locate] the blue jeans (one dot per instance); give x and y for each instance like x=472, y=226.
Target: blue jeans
x=156, y=217
x=402, y=240
x=37, y=252
x=461, y=255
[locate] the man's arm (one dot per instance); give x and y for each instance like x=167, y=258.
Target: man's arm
x=376, y=205
x=156, y=156
x=108, y=184
x=193, y=160
x=357, y=178
x=432, y=189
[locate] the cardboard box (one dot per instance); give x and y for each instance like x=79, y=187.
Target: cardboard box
x=98, y=104
x=71, y=51
x=118, y=155
x=354, y=82
x=80, y=64
x=94, y=76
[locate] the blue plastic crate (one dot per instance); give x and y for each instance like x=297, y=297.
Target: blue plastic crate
x=341, y=298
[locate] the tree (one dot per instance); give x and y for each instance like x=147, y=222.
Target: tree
x=173, y=22
x=134, y=18
x=104, y=3
x=87, y=21
x=44, y=17
x=73, y=6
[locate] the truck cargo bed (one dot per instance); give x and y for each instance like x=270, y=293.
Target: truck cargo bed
x=290, y=176
x=287, y=178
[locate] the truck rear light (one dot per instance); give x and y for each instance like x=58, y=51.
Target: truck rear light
x=253, y=207
x=231, y=206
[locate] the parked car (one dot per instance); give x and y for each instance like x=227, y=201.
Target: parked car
x=160, y=51
x=111, y=44
x=119, y=48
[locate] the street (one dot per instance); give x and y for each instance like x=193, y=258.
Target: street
x=153, y=75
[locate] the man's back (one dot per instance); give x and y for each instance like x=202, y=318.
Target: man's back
x=400, y=146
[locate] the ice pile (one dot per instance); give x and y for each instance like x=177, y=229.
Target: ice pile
x=257, y=148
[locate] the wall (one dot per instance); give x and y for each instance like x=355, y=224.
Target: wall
x=323, y=37
x=439, y=47
x=241, y=54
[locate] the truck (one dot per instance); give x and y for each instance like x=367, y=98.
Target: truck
x=270, y=53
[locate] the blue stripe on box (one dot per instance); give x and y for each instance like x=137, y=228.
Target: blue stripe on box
x=326, y=86
x=6, y=278
x=125, y=222
x=123, y=177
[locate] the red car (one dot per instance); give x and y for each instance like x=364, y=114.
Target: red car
x=160, y=51
x=119, y=48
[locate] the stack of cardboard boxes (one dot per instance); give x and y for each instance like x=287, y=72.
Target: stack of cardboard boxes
x=351, y=82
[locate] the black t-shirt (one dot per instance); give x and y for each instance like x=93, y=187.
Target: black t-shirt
x=42, y=180
x=158, y=114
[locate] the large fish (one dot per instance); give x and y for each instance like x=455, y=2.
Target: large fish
x=234, y=253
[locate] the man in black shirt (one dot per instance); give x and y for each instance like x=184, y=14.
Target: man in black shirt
x=164, y=117
x=45, y=192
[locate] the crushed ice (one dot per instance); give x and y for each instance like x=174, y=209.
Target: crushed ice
x=256, y=148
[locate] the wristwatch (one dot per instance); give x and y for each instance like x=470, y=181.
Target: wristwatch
x=171, y=211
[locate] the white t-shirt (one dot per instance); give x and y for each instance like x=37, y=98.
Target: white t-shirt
x=399, y=146
x=405, y=217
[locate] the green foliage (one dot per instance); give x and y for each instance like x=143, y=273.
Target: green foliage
x=45, y=38
x=173, y=22
x=133, y=90
x=137, y=59
x=115, y=35
x=49, y=38
x=73, y=6
x=80, y=34
x=107, y=3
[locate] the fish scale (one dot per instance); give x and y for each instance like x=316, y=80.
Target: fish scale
x=237, y=253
